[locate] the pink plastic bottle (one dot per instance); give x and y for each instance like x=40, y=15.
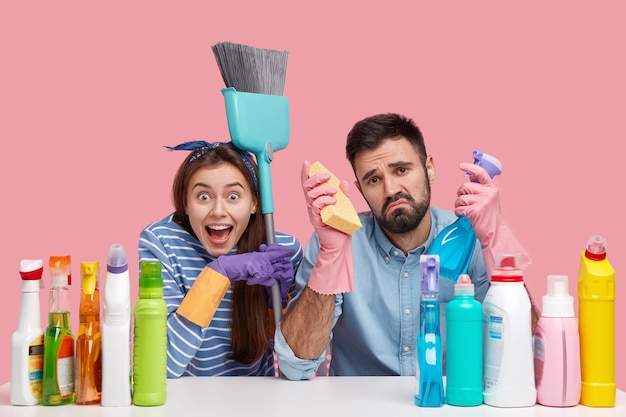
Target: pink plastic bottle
x=557, y=349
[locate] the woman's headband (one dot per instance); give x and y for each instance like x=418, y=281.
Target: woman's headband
x=200, y=147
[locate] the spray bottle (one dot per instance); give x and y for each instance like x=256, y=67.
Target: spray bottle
x=116, y=372
x=464, y=335
x=557, y=352
x=150, y=343
x=509, y=377
x=455, y=243
x=88, y=360
x=429, y=371
x=58, y=362
x=596, y=304
x=27, y=340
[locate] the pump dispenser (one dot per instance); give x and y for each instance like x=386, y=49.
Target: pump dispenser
x=509, y=377
x=58, y=363
x=557, y=353
x=464, y=351
x=27, y=340
x=429, y=371
x=596, y=304
x=455, y=243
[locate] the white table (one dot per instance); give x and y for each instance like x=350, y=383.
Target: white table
x=323, y=396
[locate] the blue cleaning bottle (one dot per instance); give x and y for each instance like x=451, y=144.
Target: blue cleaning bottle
x=429, y=370
x=455, y=243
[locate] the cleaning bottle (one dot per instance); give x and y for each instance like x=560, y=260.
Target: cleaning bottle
x=509, y=377
x=27, y=340
x=116, y=372
x=88, y=374
x=150, y=342
x=464, y=351
x=596, y=320
x=429, y=370
x=557, y=351
x=455, y=243
x=58, y=346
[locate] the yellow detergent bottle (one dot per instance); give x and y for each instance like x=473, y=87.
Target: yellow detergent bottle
x=596, y=305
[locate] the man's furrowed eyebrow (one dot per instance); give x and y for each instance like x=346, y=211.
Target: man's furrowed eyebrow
x=396, y=164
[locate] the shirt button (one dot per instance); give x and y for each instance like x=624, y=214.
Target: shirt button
x=406, y=348
x=406, y=275
x=407, y=311
x=395, y=252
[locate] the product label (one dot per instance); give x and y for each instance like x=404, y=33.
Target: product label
x=35, y=366
x=65, y=367
x=494, y=347
x=539, y=353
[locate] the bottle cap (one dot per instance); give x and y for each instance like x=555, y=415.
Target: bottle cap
x=557, y=302
x=506, y=269
x=596, y=248
x=429, y=265
x=117, y=261
x=464, y=286
x=89, y=274
x=60, y=271
x=150, y=276
x=31, y=269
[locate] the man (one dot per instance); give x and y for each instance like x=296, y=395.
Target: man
x=369, y=308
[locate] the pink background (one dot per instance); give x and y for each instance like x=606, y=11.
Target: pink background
x=90, y=94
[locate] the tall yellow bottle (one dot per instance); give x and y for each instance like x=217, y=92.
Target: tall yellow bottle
x=596, y=305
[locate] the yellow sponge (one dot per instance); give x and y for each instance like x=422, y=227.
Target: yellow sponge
x=341, y=215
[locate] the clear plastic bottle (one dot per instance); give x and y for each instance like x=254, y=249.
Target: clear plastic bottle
x=596, y=320
x=88, y=373
x=150, y=341
x=464, y=351
x=58, y=362
x=27, y=340
x=429, y=391
x=116, y=372
x=509, y=377
x=557, y=351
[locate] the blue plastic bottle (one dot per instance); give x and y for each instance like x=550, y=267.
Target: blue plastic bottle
x=429, y=371
x=464, y=335
x=455, y=243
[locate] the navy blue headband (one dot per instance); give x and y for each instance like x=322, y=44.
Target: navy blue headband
x=200, y=147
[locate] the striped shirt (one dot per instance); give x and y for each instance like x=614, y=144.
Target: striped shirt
x=192, y=349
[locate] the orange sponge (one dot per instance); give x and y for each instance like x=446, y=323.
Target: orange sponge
x=341, y=215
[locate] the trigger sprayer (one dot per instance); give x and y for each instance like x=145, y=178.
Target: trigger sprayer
x=455, y=243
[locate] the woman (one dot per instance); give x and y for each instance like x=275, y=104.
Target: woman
x=217, y=272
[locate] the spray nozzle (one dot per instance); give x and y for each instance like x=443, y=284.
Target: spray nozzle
x=60, y=270
x=491, y=164
x=429, y=265
x=89, y=274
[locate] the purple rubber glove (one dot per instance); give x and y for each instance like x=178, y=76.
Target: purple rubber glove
x=283, y=272
x=256, y=268
x=333, y=272
x=480, y=202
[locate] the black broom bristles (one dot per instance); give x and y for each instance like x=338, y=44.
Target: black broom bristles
x=250, y=69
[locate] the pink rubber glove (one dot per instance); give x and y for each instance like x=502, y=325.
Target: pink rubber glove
x=333, y=272
x=480, y=202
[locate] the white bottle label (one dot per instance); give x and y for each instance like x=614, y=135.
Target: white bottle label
x=494, y=347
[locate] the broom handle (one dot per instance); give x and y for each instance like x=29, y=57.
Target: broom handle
x=277, y=304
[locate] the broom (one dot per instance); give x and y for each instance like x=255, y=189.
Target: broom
x=258, y=117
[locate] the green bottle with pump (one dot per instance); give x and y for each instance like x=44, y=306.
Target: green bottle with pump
x=150, y=338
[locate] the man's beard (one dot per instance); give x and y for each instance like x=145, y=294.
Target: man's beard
x=403, y=220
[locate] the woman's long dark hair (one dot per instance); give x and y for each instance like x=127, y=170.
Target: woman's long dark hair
x=250, y=318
